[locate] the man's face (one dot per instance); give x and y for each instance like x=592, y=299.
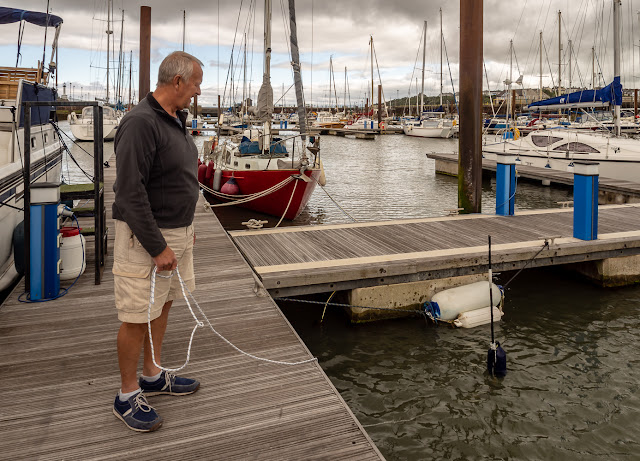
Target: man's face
x=187, y=89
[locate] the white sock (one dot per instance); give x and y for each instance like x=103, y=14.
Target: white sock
x=124, y=397
x=152, y=379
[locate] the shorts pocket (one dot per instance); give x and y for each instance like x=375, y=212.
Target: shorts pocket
x=127, y=269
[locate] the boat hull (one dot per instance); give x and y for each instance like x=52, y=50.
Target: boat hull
x=275, y=204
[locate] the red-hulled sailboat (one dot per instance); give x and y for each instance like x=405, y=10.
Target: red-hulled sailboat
x=259, y=172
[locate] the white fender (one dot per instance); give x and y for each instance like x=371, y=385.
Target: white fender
x=454, y=301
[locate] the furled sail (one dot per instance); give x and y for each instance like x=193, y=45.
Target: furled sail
x=609, y=95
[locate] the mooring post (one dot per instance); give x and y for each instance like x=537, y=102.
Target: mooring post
x=505, y=184
x=585, y=200
x=379, y=105
x=144, y=81
x=470, y=145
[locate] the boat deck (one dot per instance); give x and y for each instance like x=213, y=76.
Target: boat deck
x=316, y=259
x=59, y=370
x=606, y=185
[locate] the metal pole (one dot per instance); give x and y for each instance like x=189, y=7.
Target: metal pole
x=559, y=53
x=441, y=40
x=593, y=68
x=26, y=200
x=616, y=59
x=144, y=84
x=540, y=91
x=424, y=54
x=379, y=105
x=569, y=64
x=470, y=144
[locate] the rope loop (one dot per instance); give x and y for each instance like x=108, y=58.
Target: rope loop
x=185, y=291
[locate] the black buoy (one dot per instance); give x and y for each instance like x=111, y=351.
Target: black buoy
x=496, y=357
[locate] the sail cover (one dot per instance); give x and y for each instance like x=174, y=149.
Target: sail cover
x=609, y=95
x=10, y=15
x=265, y=99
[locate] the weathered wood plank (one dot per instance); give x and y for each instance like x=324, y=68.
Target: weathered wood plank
x=59, y=367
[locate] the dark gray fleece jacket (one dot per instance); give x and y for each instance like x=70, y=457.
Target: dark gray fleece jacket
x=156, y=173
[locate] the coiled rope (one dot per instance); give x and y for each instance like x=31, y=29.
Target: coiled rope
x=198, y=324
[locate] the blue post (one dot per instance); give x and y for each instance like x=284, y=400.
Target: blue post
x=505, y=184
x=585, y=200
x=44, y=242
x=285, y=124
x=194, y=123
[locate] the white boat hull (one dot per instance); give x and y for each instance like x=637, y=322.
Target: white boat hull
x=618, y=158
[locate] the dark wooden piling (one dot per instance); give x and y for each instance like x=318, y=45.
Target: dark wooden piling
x=470, y=163
x=144, y=82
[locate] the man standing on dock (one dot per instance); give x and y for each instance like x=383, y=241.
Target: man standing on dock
x=156, y=191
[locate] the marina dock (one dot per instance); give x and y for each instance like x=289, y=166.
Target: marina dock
x=59, y=365
x=611, y=190
x=348, y=256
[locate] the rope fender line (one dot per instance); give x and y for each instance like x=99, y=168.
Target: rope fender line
x=199, y=323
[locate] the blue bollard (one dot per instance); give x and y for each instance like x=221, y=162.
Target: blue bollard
x=585, y=200
x=44, y=242
x=505, y=184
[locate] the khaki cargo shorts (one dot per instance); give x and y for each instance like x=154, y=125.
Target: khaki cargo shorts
x=132, y=268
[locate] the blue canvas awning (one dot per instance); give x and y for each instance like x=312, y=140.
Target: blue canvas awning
x=609, y=95
x=11, y=15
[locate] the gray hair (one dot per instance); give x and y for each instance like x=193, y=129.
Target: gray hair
x=177, y=63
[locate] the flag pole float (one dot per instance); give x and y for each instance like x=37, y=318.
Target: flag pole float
x=496, y=356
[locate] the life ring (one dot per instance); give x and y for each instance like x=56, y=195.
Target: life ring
x=382, y=126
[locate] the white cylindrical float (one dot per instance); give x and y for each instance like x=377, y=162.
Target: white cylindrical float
x=72, y=253
x=477, y=317
x=454, y=301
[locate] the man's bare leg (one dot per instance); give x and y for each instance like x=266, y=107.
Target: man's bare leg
x=158, y=328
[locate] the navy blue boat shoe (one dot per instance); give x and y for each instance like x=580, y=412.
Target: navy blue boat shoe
x=169, y=384
x=137, y=414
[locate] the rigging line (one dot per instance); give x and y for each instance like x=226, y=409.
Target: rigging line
x=453, y=88
x=546, y=53
x=533, y=41
x=10, y=206
x=229, y=70
x=384, y=101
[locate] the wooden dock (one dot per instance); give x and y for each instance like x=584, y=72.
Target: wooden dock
x=316, y=259
x=611, y=190
x=60, y=375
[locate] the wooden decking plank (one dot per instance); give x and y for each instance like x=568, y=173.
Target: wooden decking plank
x=244, y=409
x=391, y=249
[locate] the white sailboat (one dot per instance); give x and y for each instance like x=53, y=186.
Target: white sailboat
x=18, y=85
x=618, y=157
x=82, y=125
x=430, y=127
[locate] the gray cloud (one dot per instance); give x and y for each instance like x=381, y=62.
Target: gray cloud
x=342, y=29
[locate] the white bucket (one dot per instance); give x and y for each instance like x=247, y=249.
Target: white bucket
x=72, y=253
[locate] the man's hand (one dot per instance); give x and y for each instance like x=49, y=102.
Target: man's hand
x=166, y=261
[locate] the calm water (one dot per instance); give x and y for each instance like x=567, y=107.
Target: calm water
x=421, y=391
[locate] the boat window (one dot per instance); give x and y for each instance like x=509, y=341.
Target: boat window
x=578, y=148
x=544, y=141
x=247, y=166
x=33, y=142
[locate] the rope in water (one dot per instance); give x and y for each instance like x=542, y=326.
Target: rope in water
x=199, y=323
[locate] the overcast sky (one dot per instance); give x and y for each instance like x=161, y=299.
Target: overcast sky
x=337, y=29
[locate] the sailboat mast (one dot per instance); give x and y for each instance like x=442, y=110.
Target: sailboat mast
x=616, y=59
x=244, y=82
x=295, y=63
x=371, y=41
x=540, y=90
x=569, y=64
x=510, y=80
x=130, y=72
x=559, y=53
x=593, y=67
x=345, y=90
x=109, y=32
x=120, y=63
x=441, y=40
x=424, y=53
x=267, y=39
x=184, y=26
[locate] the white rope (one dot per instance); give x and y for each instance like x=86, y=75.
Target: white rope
x=295, y=184
x=184, y=287
x=246, y=198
